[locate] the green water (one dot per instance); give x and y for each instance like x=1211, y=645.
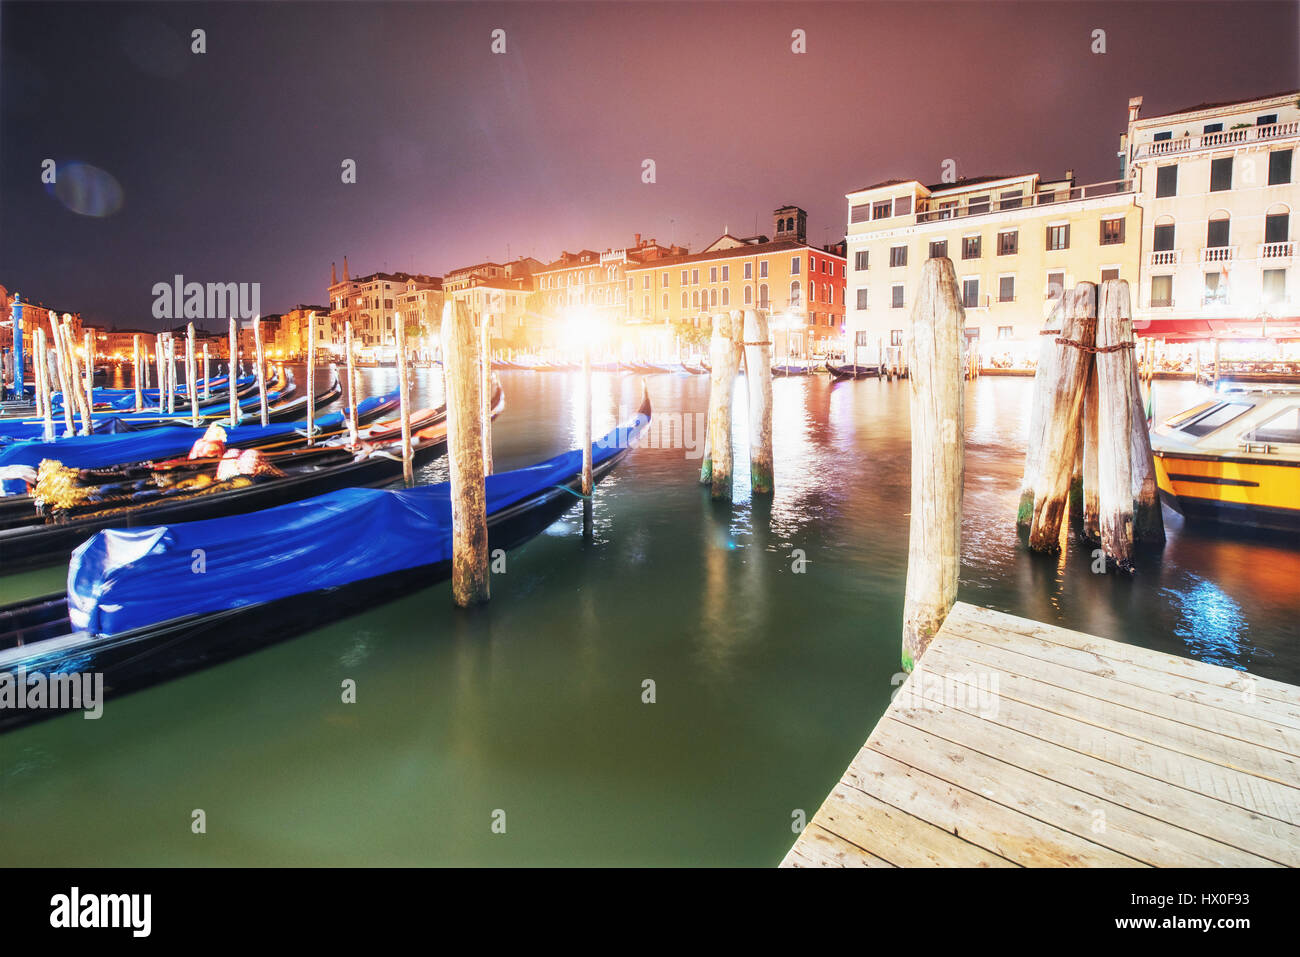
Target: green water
x=767, y=680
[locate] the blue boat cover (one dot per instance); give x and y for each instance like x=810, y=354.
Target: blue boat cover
x=102, y=451
x=117, y=579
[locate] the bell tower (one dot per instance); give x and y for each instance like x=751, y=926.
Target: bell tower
x=791, y=222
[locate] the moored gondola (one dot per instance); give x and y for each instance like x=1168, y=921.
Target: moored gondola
x=352, y=550
x=852, y=372
x=68, y=504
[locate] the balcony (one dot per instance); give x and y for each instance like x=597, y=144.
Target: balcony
x=1209, y=141
x=1167, y=257
x=1023, y=201
x=1277, y=250
x=1218, y=254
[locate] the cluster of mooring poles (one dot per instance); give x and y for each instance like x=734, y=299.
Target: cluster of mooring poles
x=739, y=336
x=65, y=369
x=1088, y=438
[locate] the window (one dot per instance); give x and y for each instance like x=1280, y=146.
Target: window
x=1216, y=232
x=645, y=305
x=1215, y=419
x=1162, y=291
x=695, y=299
x=1108, y=274
x=1009, y=242
x=1274, y=286
x=749, y=270
x=794, y=266
x=939, y=249
x=897, y=255
x=812, y=292
x=1266, y=119
x=645, y=281
x=1220, y=174
x=862, y=297
x=1279, y=167
x=970, y=247
x=1112, y=232
x=860, y=259
x=713, y=297
x=795, y=293
x=762, y=295
x=895, y=337
x=665, y=282
x=1284, y=428
x=713, y=274
x=726, y=274
x=726, y=296
x=977, y=204
x=1055, y=285
x=665, y=302
x=812, y=263
x=1010, y=199
x=695, y=277
x=882, y=209
x=1163, y=240
x=970, y=293
x=749, y=295
x=897, y=294
x=1277, y=228
x=1166, y=181
x=1162, y=136
x=685, y=277
x=1007, y=289
x=902, y=205
x=762, y=269
x=1058, y=237
x=860, y=214
x=1216, y=291
x=686, y=301
x=1005, y=332
x=1212, y=128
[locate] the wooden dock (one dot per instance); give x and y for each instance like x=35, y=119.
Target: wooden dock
x=1015, y=743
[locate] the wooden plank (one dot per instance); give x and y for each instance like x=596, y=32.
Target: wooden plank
x=1201, y=671
x=950, y=804
x=1241, y=726
x=1253, y=814
x=896, y=836
x=818, y=847
x=1145, y=726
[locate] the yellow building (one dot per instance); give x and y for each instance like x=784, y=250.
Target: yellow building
x=802, y=285
x=1015, y=242
x=1217, y=184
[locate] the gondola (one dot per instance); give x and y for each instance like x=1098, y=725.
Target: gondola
x=126, y=498
x=852, y=372
x=353, y=549
x=789, y=370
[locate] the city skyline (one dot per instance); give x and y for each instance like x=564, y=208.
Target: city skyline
x=229, y=161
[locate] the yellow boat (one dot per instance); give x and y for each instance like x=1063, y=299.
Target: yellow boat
x=1234, y=459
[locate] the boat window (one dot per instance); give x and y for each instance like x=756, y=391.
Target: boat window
x=1284, y=428
x=1216, y=418
x=1191, y=413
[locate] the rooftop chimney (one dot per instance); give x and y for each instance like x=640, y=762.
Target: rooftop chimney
x=1134, y=107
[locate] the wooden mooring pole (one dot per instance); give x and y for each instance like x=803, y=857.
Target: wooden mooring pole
x=169, y=343
x=758, y=375
x=191, y=374
x=88, y=344
x=404, y=394
x=311, y=378
x=469, y=563
x=135, y=373
x=485, y=388
x=78, y=393
x=937, y=397
x=1091, y=530
x=61, y=362
x=352, y=385
x=261, y=368
x=43, y=383
x=1115, y=406
x=584, y=420
x=207, y=374
x=1060, y=415
x=724, y=357
x=233, y=375
x=1148, y=517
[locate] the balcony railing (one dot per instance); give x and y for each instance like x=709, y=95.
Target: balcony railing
x=1218, y=254
x=1162, y=303
x=1206, y=141
x=1167, y=257
x=1022, y=201
x=1277, y=250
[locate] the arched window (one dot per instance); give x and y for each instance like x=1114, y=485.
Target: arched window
x=695, y=300
x=762, y=295
x=726, y=296
x=812, y=291
x=796, y=293
x=1218, y=229
x=749, y=295
x=1277, y=225
x=685, y=299
x=713, y=297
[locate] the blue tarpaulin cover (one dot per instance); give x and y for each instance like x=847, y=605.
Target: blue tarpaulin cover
x=123, y=579
x=102, y=451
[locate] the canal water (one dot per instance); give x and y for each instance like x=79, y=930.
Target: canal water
x=770, y=633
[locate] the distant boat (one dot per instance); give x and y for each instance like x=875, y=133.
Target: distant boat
x=852, y=372
x=789, y=369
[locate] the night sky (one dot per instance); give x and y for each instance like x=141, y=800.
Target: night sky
x=229, y=162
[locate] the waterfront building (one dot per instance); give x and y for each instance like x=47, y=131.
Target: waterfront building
x=802, y=285
x=1015, y=242
x=597, y=281
x=1218, y=187
x=371, y=302
x=34, y=314
x=293, y=331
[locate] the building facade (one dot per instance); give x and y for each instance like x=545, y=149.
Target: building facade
x=801, y=285
x=1016, y=242
x=1217, y=185
x=371, y=304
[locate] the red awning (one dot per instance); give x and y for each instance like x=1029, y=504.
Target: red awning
x=1218, y=328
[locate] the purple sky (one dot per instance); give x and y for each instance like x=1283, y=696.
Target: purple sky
x=229, y=162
